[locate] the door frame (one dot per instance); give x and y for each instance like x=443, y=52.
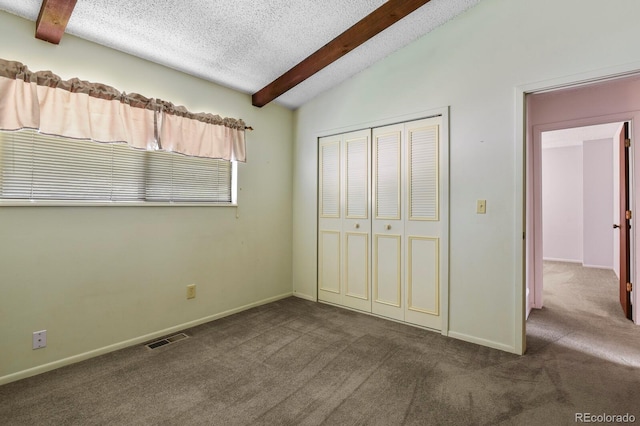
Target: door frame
x=523, y=183
x=534, y=213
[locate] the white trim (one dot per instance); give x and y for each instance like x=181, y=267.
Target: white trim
x=56, y=203
x=608, y=73
x=442, y=111
x=234, y=184
x=577, y=262
x=519, y=252
x=484, y=342
x=305, y=296
x=557, y=259
x=609, y=268
x=135, y=341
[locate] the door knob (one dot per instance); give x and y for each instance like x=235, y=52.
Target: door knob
x=388, y=227
x=357, y=225
x=615, y=226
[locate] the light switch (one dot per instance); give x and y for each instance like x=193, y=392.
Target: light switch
x=481, y=207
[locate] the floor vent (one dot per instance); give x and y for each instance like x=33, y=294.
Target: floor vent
x=166, y=340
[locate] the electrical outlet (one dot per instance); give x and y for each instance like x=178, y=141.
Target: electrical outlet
x=191, y=291
x=39, y=339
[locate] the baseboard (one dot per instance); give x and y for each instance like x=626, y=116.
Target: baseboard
x=440, y=331
x=557, y=259
x=484, y=342
x=305, y=296
x=597, y=266
x=135, y=341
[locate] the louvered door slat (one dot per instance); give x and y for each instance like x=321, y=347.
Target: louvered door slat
x=388, y=176
x=423, y=173
x=330, y=179
x=357, y=177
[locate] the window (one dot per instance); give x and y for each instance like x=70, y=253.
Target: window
x=36, y=167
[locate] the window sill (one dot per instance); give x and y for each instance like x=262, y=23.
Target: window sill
x=58, y=203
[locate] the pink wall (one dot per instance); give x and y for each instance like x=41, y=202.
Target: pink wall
x=562, y=203
x=577, y=203
x=598, y=204
x=583, y=103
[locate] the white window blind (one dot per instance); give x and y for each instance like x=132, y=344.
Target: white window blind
x=34, y=166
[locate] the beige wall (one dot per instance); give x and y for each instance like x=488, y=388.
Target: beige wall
x=474, y=65
x=98, y=278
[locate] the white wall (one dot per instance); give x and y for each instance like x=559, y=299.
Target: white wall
x=598, y=203
x=562, y=203
x=98, y=278
x=475, y=65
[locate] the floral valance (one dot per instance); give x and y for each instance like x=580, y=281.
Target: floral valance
x=80, y=109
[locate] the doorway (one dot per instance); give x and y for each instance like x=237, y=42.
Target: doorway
x=580, y=173
x=598, y=103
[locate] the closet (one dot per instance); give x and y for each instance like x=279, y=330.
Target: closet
x=381, y=231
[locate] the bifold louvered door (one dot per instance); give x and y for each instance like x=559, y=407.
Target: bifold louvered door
x=423, y=229
x=380, y=235
x=387, y=224
x=344, y=220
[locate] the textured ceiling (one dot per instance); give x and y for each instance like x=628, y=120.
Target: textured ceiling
x=243, y=44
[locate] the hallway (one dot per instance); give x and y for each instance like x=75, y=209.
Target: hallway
x=582, y=312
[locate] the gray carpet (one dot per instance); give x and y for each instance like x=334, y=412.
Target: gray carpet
x=294, y=362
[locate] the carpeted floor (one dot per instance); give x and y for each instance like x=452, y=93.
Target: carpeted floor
x=295, y=362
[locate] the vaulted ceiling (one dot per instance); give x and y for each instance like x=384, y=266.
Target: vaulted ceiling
x=246, y=44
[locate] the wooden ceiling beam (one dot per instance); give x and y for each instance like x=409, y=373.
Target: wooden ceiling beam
x=377, y=21
x=53, y=18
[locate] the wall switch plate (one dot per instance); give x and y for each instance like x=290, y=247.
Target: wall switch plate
x=481, y=207
x=191, y=291
x=39, y=339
